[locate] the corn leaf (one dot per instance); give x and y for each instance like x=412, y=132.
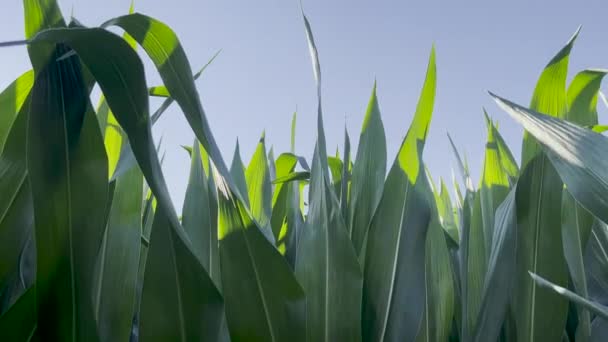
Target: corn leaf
x=116, y=287
x=263, y=299
x=259, y=189
x=199, y=216
x=179, y=301
x=19, y=323
x=326, y=264
x=393, y=291
x=368, y=175
x=499, y=278
x=549, y=95
x=68, y=175
x=11, y=100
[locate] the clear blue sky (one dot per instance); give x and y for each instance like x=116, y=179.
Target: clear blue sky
x=264, y=71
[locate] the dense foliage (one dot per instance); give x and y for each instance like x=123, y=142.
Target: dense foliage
x=285, y=249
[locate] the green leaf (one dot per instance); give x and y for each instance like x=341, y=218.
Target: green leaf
x=476, y=265
x=263, y=299
x=179, y=301
x=494, y=185
x=259, y=189
x=499, y=278
x=393, y=300
x=68, y=175
x=200, y=216
x=439, y=310
x=11, y=100
x=596, y=262
x=326, y=264
x=346, y=177
x=582, y=97
x=293, y=176
x=164, y=49
x=369, y=171
x=286, y=219
x=539, y=250
x=116, y=286
x=19, y=323
x=600, y=310
x=446, y=213
x=549, y=95
x=576, y=153
x=237, y=171
x=16, y=211
x=576, y=221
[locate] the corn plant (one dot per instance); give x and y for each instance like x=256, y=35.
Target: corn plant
x=338, y=248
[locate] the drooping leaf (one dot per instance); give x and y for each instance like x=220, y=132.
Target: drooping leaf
x=575, y=152
x=393, y=298
x=164, y=49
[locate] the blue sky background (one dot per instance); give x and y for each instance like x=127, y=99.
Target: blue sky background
x=264, y=71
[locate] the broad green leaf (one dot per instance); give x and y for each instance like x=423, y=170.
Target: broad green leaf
x=263, y=299
x=498, y=282
x=540, y=314
x=576, y=221
x=119, y=72
x=68, y=176
x=394, y=299
x=259, y=189
x=494, y=185
x=600, y=310
x=19, y=323
x=326, y=263
x=11, y=100
x=179, y=301
x=200, y=216
x=576, y=153
x=549, y=95
x=41, y=15
x=116, y=287
x=368, y=175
